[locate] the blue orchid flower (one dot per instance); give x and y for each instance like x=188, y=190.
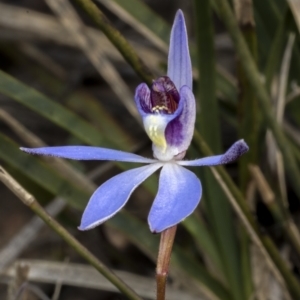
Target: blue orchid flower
x=168, y=112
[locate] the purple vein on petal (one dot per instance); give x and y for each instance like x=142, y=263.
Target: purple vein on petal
x=178, y=195
x=234, y=152
x=112, y=195
x=88, y=153
x=179, y=61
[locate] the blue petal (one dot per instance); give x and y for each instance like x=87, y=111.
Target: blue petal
x=88, y=153
x=112, y=195
x=234, y=152
x=178, y=195
x=179, y=61
x=179, y=132
x=142, y=99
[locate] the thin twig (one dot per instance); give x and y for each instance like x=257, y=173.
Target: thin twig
x=67, y=273
x=238, y=202
x=29, y=232
x=25, y=25
x=119, y=11
x=283, y=78
x=59, y=282
x=117, y=39
x=268, y=197
x=265, y=191
x=31, y=202
x=92, y=48
x=279, y=109
x=254, y=78
x=64, y=168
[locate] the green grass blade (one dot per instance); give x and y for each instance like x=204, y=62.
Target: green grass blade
x=208, y=124
x=276, y=50
x=40, y=173
x=254, y=78
x=41, y=104
x=202, y=237
x=248, y=129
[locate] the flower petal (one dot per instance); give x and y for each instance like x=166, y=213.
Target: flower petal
x=155, y=124
x=88, y=153
x=142, y=99
x=178, y=195
x=112, y=195
x=179, y=132
x=234, y=152
x=179, y=61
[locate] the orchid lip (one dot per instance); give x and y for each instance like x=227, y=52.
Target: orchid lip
x=164, y=96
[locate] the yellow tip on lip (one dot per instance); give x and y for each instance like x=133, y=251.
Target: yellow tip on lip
x=155, y=129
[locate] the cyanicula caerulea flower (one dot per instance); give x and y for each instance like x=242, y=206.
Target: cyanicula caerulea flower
x=168, y=113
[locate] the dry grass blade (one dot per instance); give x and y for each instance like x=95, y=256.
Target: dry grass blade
x=85, y=276
x=283, y=79
x=29, y=200
x=268, y=197
x=30, y=231
x=138, y=26
x=265, y=284
x=20, y=24
x=15, y=286
x=292, y=132
x=27, y=234
x=262, y=185
x=59, y=164
x=44, y=60
x=250, y=230
x=280, y=105
x=93, y=50
x=294, y=94
x=275, y=157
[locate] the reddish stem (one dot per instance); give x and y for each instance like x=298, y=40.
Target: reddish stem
x=163, y=260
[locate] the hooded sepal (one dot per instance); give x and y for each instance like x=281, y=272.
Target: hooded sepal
x=179, y=60
x=171, y=133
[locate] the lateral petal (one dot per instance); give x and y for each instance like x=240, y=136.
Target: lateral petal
x=179, y=132
x=233, y=153
x=142, y=99
x=88, y=153
x=112, y=195
x=179, y=61
x=178, y=195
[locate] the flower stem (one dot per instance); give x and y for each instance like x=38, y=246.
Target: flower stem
x=163, y=260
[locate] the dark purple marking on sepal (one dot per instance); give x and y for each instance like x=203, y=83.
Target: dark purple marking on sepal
x=174, y=132
x=234, y=152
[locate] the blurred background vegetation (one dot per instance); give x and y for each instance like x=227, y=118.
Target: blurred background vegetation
x=66, y=77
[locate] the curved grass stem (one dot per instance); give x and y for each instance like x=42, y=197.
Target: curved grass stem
x=264, y=243
x=31, y=202
x=116, y=38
